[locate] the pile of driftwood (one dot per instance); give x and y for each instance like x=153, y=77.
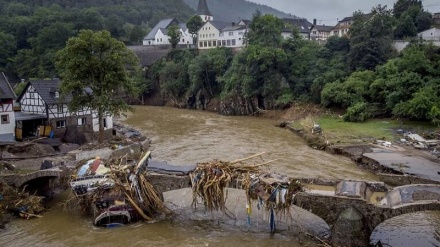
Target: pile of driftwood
x=20, y=203
x=125, y=183
x=210, y=180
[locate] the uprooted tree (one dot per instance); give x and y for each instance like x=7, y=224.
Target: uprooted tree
x=96, y=61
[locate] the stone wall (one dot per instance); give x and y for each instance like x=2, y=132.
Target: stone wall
x=17, y=180
x=329, y=209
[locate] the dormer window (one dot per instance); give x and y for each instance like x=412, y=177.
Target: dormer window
x=54, y=92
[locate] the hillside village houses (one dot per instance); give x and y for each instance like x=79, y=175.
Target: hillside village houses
x=226, y=34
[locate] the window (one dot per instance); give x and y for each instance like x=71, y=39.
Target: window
x=60, y=108
x=5, y=119
x=223, y=42
x=57, y=94
x=233, y=42
x=82, y=121
x=104, y=122
x=183, y=40
x=240, y=33
x=201, y=44
x=228, y=42
x=209, y=43
x=231, y=33
x=61, y=124
x=214, y=43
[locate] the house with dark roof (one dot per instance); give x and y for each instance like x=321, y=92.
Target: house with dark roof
x=7, y=115
x=159, y=34
x=42, y=105
x=300, y=24
x=341, y=29
x=320, y=33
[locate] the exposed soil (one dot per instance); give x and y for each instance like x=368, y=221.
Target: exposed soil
x=301, y=111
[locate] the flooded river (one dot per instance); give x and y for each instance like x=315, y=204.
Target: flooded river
x=186, y=137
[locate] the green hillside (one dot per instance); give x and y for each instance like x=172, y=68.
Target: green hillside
x=234, y=10
x=31, y=31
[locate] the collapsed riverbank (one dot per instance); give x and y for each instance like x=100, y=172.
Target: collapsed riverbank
x=396, y=165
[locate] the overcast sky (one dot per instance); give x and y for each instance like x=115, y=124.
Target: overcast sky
x=329, y=11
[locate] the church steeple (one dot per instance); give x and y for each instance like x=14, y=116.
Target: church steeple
x=203, y=11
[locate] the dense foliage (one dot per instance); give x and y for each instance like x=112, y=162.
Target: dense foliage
x=361, y=73
x=31, y=32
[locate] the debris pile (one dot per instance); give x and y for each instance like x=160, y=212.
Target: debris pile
x=117, y=191
x=273, y=192
x=20, y=203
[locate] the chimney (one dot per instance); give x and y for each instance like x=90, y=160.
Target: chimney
x=233, y=23
x=314, y=22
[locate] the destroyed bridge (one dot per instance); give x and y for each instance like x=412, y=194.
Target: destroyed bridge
x=353, y=209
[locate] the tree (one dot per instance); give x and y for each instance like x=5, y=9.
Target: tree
x=403, y=5
x=423, y=21
x=194, y=24
x=265, y=30
x=7, y=48
x=405, y=27
x=371, y=39
x=204, y=71
x=174, y=34
x=97, y=61
x=136, y=35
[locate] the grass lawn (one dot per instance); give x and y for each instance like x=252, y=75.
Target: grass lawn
x=337, y=131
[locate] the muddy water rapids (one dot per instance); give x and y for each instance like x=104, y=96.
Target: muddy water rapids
x=186, y=137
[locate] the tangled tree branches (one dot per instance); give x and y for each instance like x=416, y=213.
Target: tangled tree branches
x=118, y=185
x=210, y=179
x=19, y=202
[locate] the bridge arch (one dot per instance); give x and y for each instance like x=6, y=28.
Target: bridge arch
x=18, y=180
x=414, y=229
x=329, y=208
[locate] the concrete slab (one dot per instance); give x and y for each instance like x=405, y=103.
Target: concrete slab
x=351, y=189
x=408, y=164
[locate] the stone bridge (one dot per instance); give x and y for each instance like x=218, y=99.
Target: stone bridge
x=18, y=180
x=352, y=209
x=355, y=211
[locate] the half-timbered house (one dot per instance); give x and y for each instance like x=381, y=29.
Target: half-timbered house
x=7, y=116
x=42, y=100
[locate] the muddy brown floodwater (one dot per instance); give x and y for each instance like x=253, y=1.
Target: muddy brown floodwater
x=186, y=137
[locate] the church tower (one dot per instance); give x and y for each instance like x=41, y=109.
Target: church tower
x=203, y=11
